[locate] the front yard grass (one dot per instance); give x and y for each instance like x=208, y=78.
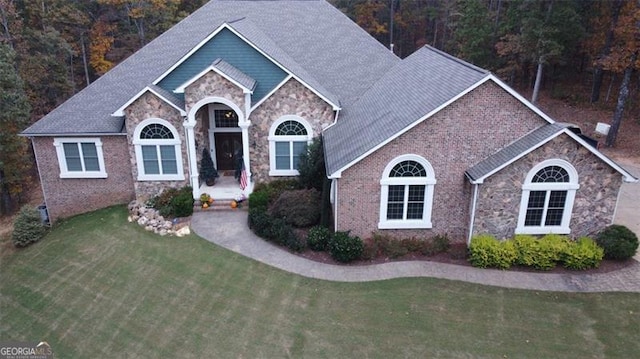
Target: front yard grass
x=97, y=286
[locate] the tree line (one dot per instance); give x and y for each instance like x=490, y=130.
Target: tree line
x=51, y=49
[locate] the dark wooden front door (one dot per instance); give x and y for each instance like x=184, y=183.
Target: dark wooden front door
x=228, y=146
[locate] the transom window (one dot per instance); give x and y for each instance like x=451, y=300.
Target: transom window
x=80, y=157
x=406, y=193
x=158, y=153
x=288, y=139
x=225, y=118
x=547, y=198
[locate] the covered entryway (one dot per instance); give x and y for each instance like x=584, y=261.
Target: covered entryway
x=226, y=137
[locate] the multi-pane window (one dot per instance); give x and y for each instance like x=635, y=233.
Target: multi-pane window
x=547, y=198
x=158, y=151
x=80, y=157
x=407, y=193
x=225, y=118
x=288, y=140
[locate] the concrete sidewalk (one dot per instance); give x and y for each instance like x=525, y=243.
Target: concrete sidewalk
x=230, y=230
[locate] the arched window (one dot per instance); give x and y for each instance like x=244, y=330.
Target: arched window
x=288, y=139
x=158, y=154
x=547, y=198
x=406, y=196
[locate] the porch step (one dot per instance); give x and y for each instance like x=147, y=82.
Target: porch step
x=219, y=205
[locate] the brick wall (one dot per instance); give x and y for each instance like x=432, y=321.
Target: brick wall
x=499, y=196
x=67, y=197
x=472, y=128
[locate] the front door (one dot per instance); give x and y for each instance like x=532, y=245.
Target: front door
x=228, y=150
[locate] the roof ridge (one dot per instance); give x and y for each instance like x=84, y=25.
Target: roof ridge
x=456, y=59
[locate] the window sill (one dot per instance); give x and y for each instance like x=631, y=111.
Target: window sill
x=275, y=173
x=83, y=175
x=161, y=178
x=404, y=225
x=543, y=230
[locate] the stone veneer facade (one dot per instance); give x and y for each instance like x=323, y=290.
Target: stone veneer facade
x=499, y=197
x=292, y=98
x=453, y=140
x=70, y=196
x=150, y=106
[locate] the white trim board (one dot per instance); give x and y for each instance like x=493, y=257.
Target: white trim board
x=120, y=111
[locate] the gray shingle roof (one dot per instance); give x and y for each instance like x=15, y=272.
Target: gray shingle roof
x=169, y=96
x=235, y=74
x=416, y=86
x=316, y=41
x=514, y=150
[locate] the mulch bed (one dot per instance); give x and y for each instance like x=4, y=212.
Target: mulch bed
x=455, y=256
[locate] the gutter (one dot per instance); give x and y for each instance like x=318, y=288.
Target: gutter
x=30, y=135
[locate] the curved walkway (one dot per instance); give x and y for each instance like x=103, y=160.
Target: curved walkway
x=230, y=230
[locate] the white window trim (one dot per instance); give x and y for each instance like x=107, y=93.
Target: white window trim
x=138, y=143
x=429, y=183
x=571, y=187
x=273, y=139
x=62, y=160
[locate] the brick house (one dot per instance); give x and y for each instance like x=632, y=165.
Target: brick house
x=415, y=147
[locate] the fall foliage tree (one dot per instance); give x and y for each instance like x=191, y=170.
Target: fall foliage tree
x=15, y=161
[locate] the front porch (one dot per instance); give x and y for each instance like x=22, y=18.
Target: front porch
x=226, y=188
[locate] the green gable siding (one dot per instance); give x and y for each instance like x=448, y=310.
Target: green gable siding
x=227, y=46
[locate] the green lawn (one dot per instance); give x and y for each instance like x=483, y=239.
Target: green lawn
x=98, y=286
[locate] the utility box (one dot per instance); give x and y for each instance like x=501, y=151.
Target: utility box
x=44, y=214
x=602, y=128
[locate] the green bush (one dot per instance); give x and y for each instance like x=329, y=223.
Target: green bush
x=540, y=253
x=300, y=208
x=260, y=223
x=345, y=248
x=259, y=200
x=618, y=242
x=27, y=227
x=582, y=254
x=173, y=202
x=283, y=234
x=318, y=238
x=487, y=251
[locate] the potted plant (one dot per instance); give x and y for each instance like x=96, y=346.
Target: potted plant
x=208, y=172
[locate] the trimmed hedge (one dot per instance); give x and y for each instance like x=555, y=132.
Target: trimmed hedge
x=540, y=253
x=319, y=238
x=345, y=248
x=584, y=254
x=618, y=242
x=173, y=202
x=486, y=251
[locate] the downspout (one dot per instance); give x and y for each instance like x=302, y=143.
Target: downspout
x=473, y=212
x=335, y=205
x=44, y=193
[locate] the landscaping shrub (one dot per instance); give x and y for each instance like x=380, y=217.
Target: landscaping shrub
x=300, y=208
x=259, y=200
x=540, y=253
x=582, y=254
x=27, y=227
x=260, y=222
x=487, y=251
x=435, y=245
x=283, y=234
x=618, y=242
x=173, y=202
x=345, y=248
x=318, y=238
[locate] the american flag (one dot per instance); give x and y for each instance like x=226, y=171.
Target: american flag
x=243, y=177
